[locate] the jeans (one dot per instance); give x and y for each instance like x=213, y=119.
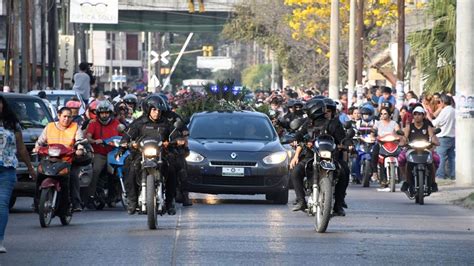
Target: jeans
x=99, y=164
x=446, y=154
x=7, y=182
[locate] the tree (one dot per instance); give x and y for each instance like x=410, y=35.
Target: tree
x=265, y=22
x=434, y=48
x=257, y=76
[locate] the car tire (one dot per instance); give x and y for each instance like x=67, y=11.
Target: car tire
x=280, y=197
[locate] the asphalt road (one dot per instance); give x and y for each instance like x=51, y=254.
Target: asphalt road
x=380, y=228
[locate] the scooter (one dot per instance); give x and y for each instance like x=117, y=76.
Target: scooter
x=115, y=167
x=55, y=167
x=110, y=186
x=388, y=158
x=364, y=153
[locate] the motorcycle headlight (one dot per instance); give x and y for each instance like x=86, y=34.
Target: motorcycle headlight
x=275, y=158
x=419, y=144
x=194, y=157
x=325, y=154
x=150, y=152
x=53, y=152
x=388, y=138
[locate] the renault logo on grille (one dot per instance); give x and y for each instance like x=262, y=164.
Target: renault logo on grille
x=233, y=155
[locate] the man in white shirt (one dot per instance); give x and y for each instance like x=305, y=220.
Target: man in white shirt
x=446, y=122
x=82, y=82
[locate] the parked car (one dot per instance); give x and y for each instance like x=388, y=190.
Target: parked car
x=34, y=116
x=236, y=152
x=59, y=98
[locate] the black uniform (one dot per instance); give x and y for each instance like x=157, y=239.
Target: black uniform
x=178, y=154
x=141, y=128
x=309, y=131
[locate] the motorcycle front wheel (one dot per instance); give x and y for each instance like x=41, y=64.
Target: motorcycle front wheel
x=151, y=202
x=45, y=207
x=367, y=173
x=66, y=220
x=323, y=204
x=420, y=197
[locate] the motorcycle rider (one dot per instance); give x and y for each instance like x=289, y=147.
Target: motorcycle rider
x=75, y=105
x=419, y=129
x=177, y=154
x=320, y=119
x=63, y=132
x=151, y=124
x=103, y=127
x=132, y=102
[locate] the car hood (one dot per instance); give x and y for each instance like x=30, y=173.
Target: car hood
x=30, y=135
x=234, y=145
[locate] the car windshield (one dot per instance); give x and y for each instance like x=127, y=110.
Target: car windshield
x=32, y=113
x=59, y=99
x=232, y=127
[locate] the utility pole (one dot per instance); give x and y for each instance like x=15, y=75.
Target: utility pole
x=33, y=12
x=6, y=80
x=43, y=15
x=360, y=41
x=334, y=51
x=50, y=8
x=57, y=66
x=159, y=50
x=401, y=50
x=464, y=81
x=351, y=70
x=16, y=45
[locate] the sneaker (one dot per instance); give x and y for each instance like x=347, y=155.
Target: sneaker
x=434, y=187
x=77, y=208
x=344, y=204
x=2, y=249
x=375, y=176
x=404, y=187
x=171, y=208
x=131, y=208
x=338, y=211
x=301, y=206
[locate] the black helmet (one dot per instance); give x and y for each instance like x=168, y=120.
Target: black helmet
x=368, y=110
x=315, y=109
x=298, y=103
x=130, y=99
x=291, y=103
x=330, y=104
x=165, y=98
x=154, y=101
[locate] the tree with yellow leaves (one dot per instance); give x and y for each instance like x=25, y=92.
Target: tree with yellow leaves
x=310, y=21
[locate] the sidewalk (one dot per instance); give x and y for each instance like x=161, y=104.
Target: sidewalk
x=450, y=193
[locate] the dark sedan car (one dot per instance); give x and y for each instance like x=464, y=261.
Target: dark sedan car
x=34, y=115
x=236, y=152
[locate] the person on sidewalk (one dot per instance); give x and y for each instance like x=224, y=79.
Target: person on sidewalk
x=446, y=122
x=82, y=82
x=11, y=141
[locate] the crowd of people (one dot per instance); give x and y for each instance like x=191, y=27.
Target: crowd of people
x=378, y=111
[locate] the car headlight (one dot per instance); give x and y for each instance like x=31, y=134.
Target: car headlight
x=194, y=157
x=420, y=144
x=275, y=158
x=325, y=154
x=150, y=151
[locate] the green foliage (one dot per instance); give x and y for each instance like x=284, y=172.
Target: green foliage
x=219, y=97
x=258, y=76
x=435, y=47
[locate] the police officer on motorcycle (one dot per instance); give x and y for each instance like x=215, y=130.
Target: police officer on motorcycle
x=151, y=124
x=321, y=117
x=178, y=154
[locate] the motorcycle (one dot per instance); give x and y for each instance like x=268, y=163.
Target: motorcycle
x=55, y=166
x=388, y=158
x=320, y=201
x=420, y=156
x=364, y=150
x=110, y=187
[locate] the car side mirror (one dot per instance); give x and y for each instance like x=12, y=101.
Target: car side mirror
x=178, y=124
x=295, y=124
x=400, y=132
x=350, y=133
x=348, y=125
x=287, y=139
x=121, y=128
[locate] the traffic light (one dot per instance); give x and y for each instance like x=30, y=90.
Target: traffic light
x=165, y=71
x=207, y=50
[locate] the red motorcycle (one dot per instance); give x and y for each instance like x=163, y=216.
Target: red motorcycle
x=55, y=168
x=388, y=159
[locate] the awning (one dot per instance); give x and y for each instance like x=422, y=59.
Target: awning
x=166, y=21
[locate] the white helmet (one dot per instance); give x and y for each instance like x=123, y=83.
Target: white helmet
x=339, y=105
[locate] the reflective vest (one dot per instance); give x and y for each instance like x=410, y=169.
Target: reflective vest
x=65, y=137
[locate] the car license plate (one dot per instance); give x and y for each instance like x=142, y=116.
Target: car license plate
x=232, y=171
